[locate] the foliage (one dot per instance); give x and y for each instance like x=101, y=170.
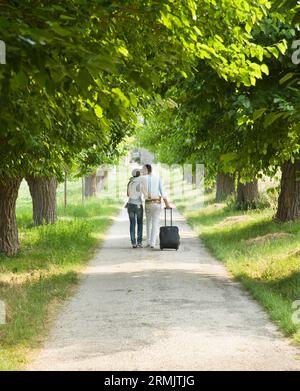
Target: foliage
x=75, y=70
x=262, y=202
x=251, y=128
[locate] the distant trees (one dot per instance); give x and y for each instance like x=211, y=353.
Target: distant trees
x=225, y=185
x=43, y=193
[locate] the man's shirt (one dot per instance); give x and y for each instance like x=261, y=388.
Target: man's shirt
x=151, y=186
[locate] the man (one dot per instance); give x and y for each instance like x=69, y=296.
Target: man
x=153, y=192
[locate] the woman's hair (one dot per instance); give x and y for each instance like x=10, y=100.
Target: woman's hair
x=135, y=172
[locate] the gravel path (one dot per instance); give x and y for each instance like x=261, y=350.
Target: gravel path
x=148, y=309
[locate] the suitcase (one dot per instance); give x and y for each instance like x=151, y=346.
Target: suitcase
x=169, y=235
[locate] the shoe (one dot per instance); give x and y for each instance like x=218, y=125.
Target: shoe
x=148, y=245
x=140, y=245
x=134, y=246
x=152, y=247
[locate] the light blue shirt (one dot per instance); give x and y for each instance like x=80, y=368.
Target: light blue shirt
x=152, y=186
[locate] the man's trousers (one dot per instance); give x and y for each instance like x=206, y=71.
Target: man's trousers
x=152, y=221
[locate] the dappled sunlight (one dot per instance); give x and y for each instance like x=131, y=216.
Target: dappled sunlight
x=19, y=298
x=45, y=269
x=258, y=251
x=235, y=220
x=90, y=218
x=269, y=237
x=245, y=229
x=276, y=292
x=150, y=264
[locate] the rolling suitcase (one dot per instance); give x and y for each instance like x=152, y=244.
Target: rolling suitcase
x=169, y=235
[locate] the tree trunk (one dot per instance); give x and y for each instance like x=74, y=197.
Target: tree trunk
x=93, y=184
x=43, y=193
x=9, y=241
x=65, y=189
x=225, y=186
x=247, y=194
x=289, y=197
x=90, y=185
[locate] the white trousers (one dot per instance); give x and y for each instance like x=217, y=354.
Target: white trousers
x=152, y=221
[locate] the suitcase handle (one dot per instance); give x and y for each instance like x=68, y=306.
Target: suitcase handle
x=171, y=209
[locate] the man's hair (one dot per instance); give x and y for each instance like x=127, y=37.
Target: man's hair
x=137, y=174
x=149, y=168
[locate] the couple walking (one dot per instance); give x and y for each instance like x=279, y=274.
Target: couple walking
x=144, y=184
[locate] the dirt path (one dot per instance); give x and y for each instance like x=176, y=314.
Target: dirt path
x=146, y=309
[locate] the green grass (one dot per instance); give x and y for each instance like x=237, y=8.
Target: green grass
x=45, y=272
x=269, y=268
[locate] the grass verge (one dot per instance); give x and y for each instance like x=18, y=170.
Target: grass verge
x=262, y=254
x=45, y=271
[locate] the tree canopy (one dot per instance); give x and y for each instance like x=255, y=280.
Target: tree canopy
x=216, y=75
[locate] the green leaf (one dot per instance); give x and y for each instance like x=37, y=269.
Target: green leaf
x=123, y=51
x=253, y=80
x=165, y=20
x=271, y=118
x=98, y=111
x=287, y=77
x=264, y=68
x=273, y=50
x=133, y=99
x=64, y=32
x=84, y=79
x=121, y=97
x=66, y=17
x=258, y=113
x=248, y=28
x=103, y=61
x=282, y=47
x=19, y=80
x=227, y=157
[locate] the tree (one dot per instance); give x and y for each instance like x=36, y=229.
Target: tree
x=81, y=62
x=289, y=198
x=9, y=242
x=43, y=193
x=265, y=134
x=50, y=87
x=268, y=115
x=250, y=128
x=225, y=186
x=247, y=195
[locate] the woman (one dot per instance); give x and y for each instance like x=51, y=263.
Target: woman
x=135, y=209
